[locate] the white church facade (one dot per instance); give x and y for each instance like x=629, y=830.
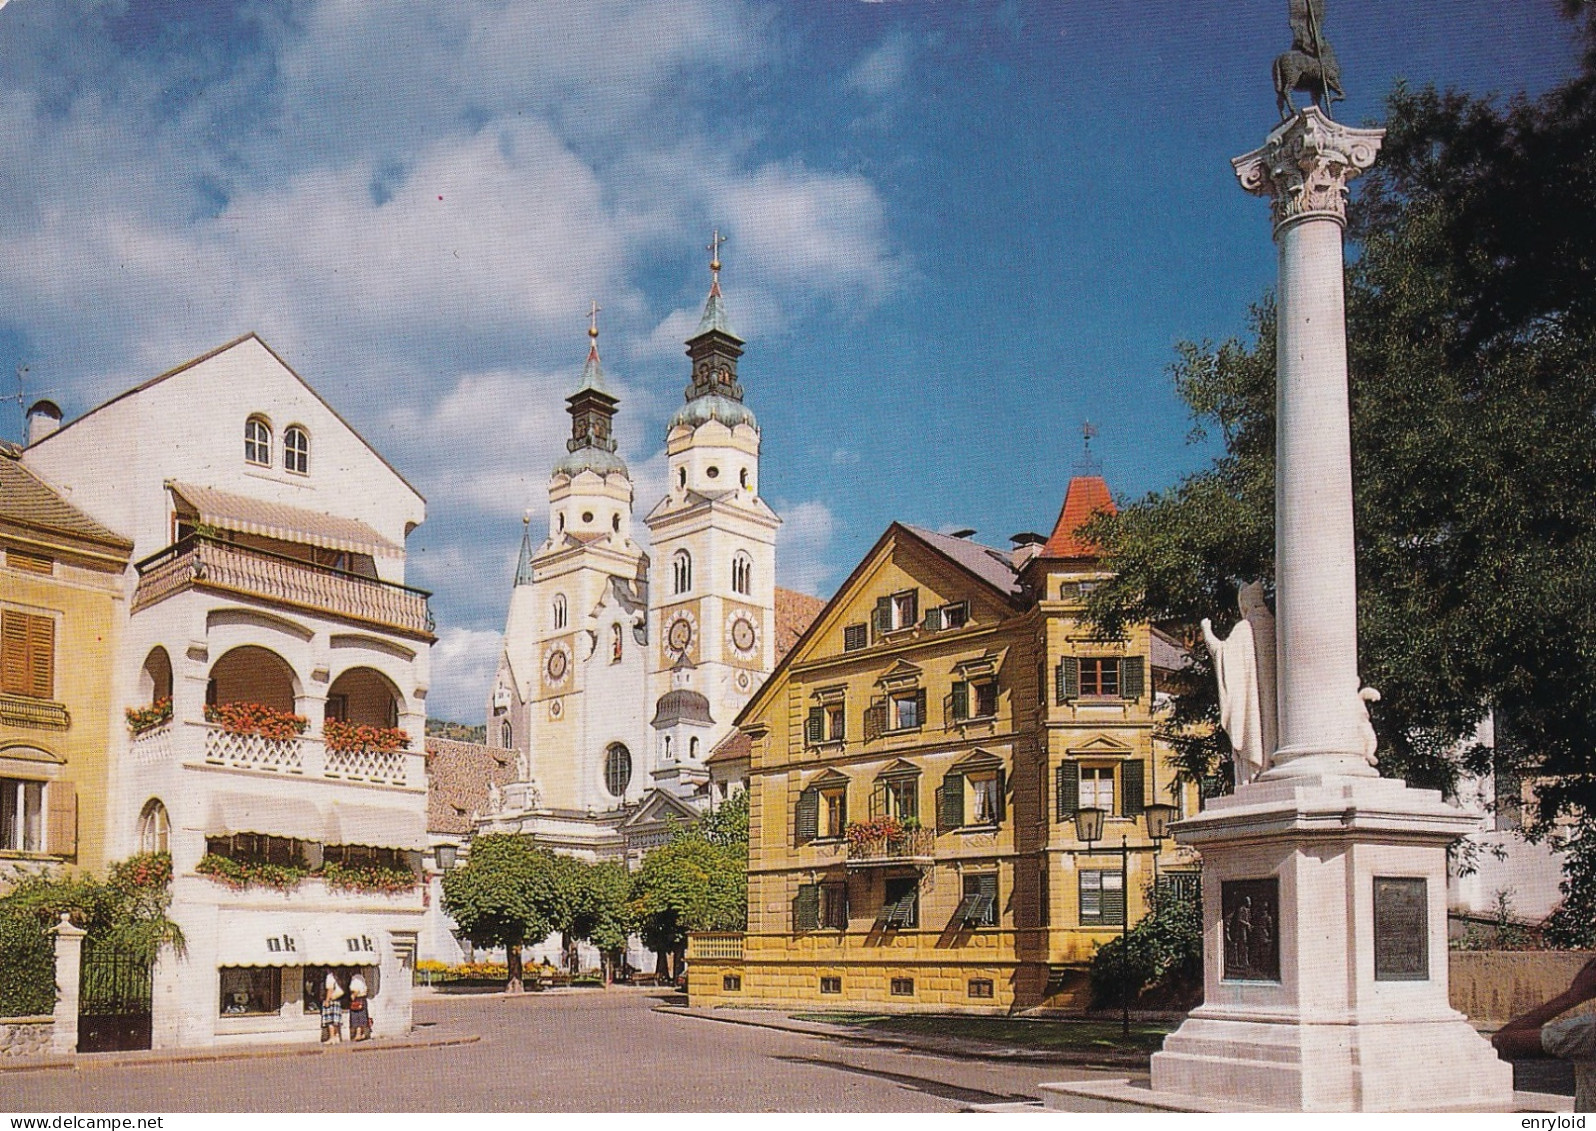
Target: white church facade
x=622, y=668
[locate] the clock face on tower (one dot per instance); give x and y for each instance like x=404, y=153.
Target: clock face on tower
x=742, y=635
x=679, y=636
x=556, y=665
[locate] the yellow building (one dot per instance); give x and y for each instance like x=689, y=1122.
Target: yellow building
x=61, y=597
x=915, y=768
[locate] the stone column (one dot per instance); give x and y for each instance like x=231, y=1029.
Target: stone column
x=68, y=971
x=1303, y=168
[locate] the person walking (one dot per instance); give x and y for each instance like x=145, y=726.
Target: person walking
x=332, y=1017
x=359, y=1010
x=1536, y=1033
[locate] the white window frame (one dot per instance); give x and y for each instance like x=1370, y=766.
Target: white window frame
x=296, y=456
x=20, y=837
x=258, y=449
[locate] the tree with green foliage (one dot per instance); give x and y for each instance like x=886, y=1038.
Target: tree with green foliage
x=1161, y=953
x=1472, y=351
x=127, y=910
x=696, y=882
x=501, y=896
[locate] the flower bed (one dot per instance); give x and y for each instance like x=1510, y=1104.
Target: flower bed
x=340, y=735
x=241, y=874
x=255, y=718
x=141, y=719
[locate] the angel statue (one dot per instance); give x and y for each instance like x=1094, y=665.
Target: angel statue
x=1244, y=665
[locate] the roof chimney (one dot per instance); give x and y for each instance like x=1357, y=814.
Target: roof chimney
x=44, y=418
x=1027, y=545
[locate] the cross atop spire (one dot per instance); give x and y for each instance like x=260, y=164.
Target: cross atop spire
x=1088, y=464
x=713, y=247
x=592, y=321
x=593, y=370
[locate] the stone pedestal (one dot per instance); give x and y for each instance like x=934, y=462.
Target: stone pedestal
x=1325, y=951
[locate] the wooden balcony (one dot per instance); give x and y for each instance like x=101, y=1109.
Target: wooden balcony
x=198, y=562
x=912, y=846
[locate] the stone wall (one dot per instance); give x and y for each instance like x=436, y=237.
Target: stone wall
x=1491, y=987
x=26, y=1036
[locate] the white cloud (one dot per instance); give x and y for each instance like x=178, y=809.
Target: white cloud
x=801, y=545
x=463, y=663
x=883, y=72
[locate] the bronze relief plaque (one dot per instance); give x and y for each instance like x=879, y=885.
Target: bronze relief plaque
x=1251, y=911
x=1401, y=929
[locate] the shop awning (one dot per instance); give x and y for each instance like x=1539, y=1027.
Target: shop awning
x=253, y=939
x=377, y=826
x=227, y=511
x=334, y=941
x=290, y=817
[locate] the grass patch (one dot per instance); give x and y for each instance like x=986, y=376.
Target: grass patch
x=1014, y=1032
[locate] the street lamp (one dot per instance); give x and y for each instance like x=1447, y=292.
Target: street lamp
x=1158, y=816
x=1089, y=830
x=445, y=855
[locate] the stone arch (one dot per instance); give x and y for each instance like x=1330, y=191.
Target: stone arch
x=253, y=674
x=155, y=677
x=365, y=696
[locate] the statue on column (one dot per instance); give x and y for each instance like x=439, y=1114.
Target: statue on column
x=1244, y=665
x=1310, y=65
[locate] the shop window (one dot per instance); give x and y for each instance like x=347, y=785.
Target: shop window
x=296, y=450
x=830, y=985
x=731, y=982
x=21, y=815
x=27, y=654
x=155, y=828
x=250, y=990
x=315, y=981
x=981, y=987
x=855, y=637
x=978, y=907
x=1102, y=898
x=903, y=987
x=900, y=905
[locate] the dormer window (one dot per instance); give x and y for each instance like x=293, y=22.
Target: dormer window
x=296, y=450
x=257, y=442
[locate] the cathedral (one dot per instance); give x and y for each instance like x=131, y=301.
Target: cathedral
x=614, y=685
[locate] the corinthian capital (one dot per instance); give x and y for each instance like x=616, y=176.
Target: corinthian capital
x=1305, y=165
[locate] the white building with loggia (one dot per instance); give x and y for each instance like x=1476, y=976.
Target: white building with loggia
x=280, y=664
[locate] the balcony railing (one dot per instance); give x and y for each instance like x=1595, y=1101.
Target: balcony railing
x=305, y=755
x=201, y=562
x=912, y=846
x=724, y=945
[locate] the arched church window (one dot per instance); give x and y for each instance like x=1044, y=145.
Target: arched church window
x=742, y=574
x=617, y=769
x=682, y=570
x=615, y=643
x=506, y=735
x=615, y=523
x=681, y=477
x=667, y=748
x=692, y=749
x=559, y=610
x=742, y=477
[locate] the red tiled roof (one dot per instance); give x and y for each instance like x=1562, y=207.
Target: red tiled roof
x=458, y=774
x=1087, y=496
x=735, y=747
x=795, y=612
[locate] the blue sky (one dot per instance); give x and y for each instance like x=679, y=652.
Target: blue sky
x=956, y=230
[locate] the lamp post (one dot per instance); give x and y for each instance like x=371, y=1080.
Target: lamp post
x=1089, y=830
x=1158, y=816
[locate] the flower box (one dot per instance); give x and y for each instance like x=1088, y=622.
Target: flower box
x=141, y=719
x=256, y=718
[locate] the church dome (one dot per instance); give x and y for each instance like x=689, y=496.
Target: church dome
x=589, y=459
x=701, y=410
x=680, y=705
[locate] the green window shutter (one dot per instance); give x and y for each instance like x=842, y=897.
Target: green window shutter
x=910, y=795
x=987, y=885
x=843, y=814
x=1132, y=677
x=961, y=700
x=874, y=721
x=881, y=618
x=933, y=620
x=1067, y=782
x=950, y=802
x=1132, y=777
x=1113, y=905
x=815, y=726
x=913, y=614
x=854, y=637
x=919, y=706
x=842, y=729
x=806, y=908
x=1002, y=795
x=806, y=818
x=1069, y=678
x=878, y=800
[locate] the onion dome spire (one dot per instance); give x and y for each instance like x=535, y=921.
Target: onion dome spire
x=592, y=408
x=714, y=393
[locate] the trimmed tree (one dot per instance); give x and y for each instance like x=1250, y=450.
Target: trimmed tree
x=500, y=898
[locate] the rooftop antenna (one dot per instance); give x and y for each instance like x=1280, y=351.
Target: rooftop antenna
x=21, y=395
x=1088, y=464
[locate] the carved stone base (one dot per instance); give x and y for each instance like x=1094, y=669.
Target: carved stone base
x=1325, y=952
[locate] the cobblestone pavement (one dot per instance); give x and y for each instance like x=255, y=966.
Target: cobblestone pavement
x=584, y=1051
